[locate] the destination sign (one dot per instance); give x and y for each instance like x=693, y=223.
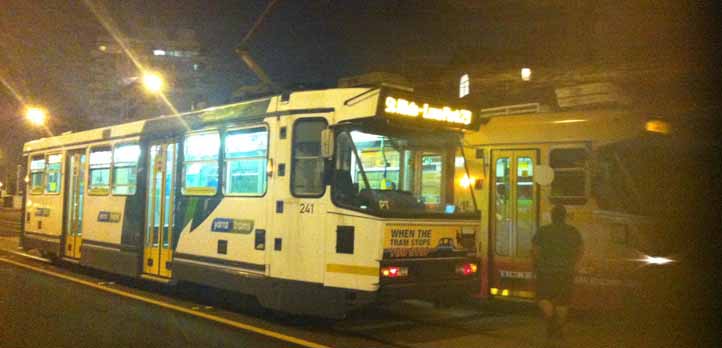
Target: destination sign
x=425, y=111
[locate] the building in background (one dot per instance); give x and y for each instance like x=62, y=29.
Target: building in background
x=115, y=88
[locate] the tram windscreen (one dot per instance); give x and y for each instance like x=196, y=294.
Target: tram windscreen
x=392, y=174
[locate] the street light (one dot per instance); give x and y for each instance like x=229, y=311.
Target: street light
x=153, y=82
x=36, y=115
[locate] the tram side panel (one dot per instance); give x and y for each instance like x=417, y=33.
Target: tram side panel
x=105, y=219
x=44, y=206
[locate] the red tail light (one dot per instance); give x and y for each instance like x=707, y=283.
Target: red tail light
x=466, y=268
x=394, y=271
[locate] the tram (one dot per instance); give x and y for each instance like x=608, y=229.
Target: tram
x=600, y=164
x=315, y=202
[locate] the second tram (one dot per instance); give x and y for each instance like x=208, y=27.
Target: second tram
x=602, y=163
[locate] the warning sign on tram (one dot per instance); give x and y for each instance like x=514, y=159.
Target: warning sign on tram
x=418, y=240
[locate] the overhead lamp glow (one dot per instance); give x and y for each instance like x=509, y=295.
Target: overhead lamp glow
x=36, y=115
x=153, y=82
x=526, y=74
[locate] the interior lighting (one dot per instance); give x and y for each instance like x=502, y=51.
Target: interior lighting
x=466, y=181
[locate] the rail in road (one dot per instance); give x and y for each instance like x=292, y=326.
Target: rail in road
x=403, y=326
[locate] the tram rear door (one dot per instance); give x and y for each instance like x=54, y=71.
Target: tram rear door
x=75, y=184
x=514, y=220
x=158, y=251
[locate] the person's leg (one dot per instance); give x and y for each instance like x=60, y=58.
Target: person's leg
x=547, y=309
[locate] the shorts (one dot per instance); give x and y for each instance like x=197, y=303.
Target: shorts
x=555, y=287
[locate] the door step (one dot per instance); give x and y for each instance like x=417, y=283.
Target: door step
x=71, y=260
x=158, y=279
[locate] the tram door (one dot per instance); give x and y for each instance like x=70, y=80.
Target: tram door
x=514, y=221
x=158, y=251
x=74, y=203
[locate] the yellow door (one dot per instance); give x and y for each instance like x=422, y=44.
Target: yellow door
x=74, y=204
x=158, y=251
x=514, y=210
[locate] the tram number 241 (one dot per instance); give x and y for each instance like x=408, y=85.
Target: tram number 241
x=306, y=208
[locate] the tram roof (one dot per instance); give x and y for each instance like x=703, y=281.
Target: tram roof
x=600, y=126
x=344, y=104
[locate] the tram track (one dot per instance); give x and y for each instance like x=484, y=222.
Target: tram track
x=376, y=325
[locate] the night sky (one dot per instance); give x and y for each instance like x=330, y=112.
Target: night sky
x=45, y=45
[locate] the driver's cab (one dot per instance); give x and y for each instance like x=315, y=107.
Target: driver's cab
x=395, y=171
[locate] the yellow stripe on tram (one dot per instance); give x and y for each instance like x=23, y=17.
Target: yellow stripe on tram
x=352, y=269
x=238, y=325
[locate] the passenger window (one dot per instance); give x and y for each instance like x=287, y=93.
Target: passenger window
x=125, y=167
x=52, y=184
x=100, y=159
x=37, y=174
x=245, y=154
x=307, y=170
x=200, y=164
x=570, y=175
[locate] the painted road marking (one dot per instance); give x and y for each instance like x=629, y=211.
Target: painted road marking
x=215, y=318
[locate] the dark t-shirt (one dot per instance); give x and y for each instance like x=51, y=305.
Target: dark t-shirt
x=558, y=245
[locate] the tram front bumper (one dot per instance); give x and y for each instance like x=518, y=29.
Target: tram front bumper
x=435, y=280
x=446, y=290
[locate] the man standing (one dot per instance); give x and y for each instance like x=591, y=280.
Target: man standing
x=557, y=250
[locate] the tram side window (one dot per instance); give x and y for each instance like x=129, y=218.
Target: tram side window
x=52, y=184
x=570, y=175
x=99, y=171
x=245, y=154
x=37, y=174
x=200, y=164
x=125, y=166
x=307, y=170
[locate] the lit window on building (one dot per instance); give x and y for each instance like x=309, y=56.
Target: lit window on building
x=159, y=52
x=464, y=86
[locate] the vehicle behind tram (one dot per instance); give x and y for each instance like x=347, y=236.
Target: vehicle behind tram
x=600, y=164
x=315, y=202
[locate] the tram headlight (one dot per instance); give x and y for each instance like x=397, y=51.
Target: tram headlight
x=467, y=268
x=656, y=260
x=394, y=272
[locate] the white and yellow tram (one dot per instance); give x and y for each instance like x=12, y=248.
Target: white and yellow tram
x=603, y=163
x=315, y=202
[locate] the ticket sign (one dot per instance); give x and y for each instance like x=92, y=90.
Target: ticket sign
x=424, y=112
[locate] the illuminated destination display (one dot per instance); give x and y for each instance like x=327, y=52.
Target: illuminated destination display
x=403, y=107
